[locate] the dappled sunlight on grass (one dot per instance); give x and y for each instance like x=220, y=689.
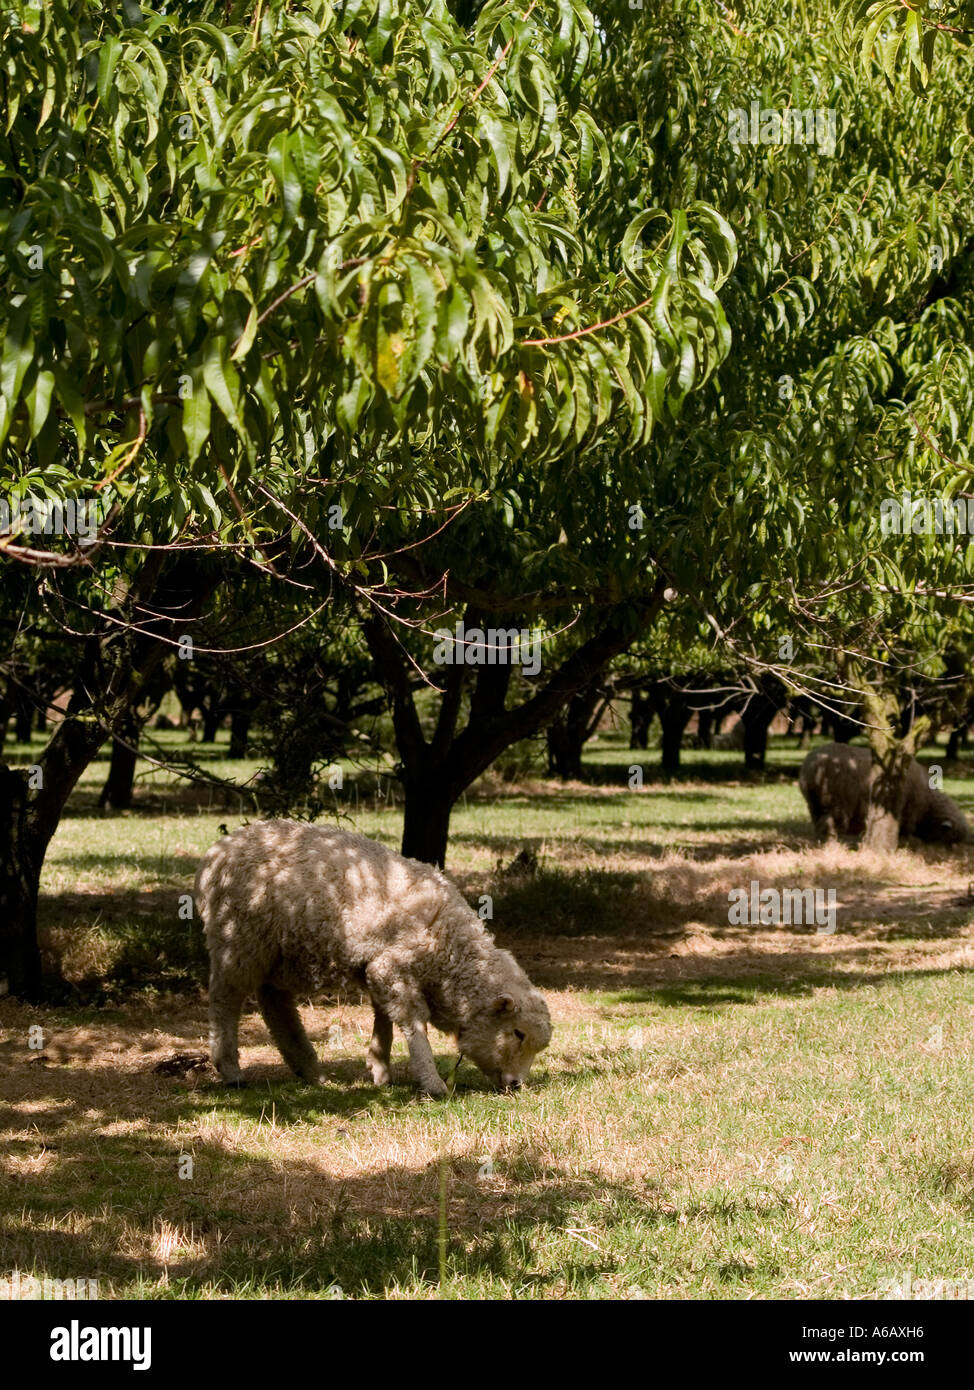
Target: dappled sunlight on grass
x=725, y=1110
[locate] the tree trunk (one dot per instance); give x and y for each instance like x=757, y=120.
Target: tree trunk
x=111, y=680
x=755, y=743
x=891, y=758
x=20, y=859
x=436, y=771
x=240, y=721
x=565, y=752
x=672, y=722
x=211, y=725
x=117, y=791
x=843, y=726
x=674, y=715
x=426, y=823
x=705, y=728
x=887, y=790
x=569, y=732
x=801, y=714
x=23, y=723
x=756, y=717
x=640, y=718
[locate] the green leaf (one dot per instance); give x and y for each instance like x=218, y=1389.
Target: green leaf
x=423, y=301
x=39, y=401
x=246, y=340
x=286, y=175
x=18, y=353
x=107, y=63
x=196, y=421
x=222, y=381
x=70, y=398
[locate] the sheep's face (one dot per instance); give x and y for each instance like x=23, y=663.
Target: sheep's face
x=504, y=1038
x=943, y=830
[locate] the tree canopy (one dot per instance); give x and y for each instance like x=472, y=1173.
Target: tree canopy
x=553, y=313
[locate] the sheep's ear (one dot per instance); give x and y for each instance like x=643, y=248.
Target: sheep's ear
x=503, y=1004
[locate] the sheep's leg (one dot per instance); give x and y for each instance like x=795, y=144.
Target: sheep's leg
x=225, y=1005
x=403, y=1003
x=823, y=821
x=421, y=1062
x=284, y=1024
x=380, y=1048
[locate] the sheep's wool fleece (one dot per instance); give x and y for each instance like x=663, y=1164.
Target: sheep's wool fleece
x=834, y=781
x=307, y=906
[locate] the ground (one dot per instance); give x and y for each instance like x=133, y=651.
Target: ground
x=724, y=1112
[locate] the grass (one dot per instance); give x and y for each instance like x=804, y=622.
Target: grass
x=725, y=1111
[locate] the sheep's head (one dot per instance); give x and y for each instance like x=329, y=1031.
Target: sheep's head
x=504, y=1037
x=944, y=831
x=944, y=822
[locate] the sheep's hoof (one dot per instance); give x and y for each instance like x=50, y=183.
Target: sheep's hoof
x=381, y=1076
x=437, y=1092
x=311, y=1078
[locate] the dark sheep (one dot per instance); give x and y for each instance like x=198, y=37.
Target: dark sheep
x=834, y=781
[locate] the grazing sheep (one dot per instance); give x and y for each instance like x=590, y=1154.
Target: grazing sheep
x=290, y=906
x=834, y=781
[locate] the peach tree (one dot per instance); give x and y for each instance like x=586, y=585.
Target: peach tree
x=285, y=277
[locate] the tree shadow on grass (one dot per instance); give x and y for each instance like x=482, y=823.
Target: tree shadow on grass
x=568, y=798
x=799, y=978
x=250, y=1227
x=614, y=773
x=174, y=862
x=93, y=1190
x=569, y=928
x=595, y=838
x=650, y=908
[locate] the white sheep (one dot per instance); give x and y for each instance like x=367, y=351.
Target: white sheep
x=290, y=907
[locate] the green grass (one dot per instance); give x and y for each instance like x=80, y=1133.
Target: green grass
x=723, y=1113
